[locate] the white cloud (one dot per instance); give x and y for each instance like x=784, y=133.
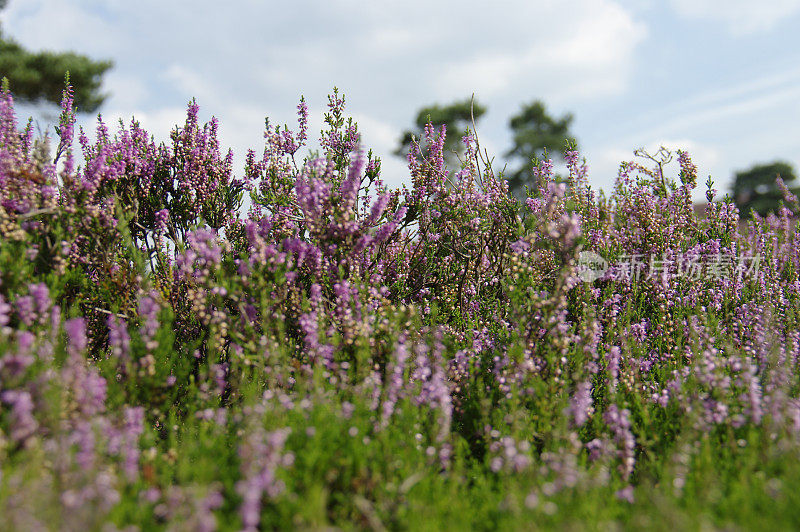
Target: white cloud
x=125, y=90
x=502, y=49
x=586, y=57
x=751, y=100
x=740, y=16
x=377, y=133
x=191, y=83
x=244, y=60
x=395, y=40
x=58, y=25
x=743, y=107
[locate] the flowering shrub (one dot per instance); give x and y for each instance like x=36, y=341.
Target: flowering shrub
x=343, y=354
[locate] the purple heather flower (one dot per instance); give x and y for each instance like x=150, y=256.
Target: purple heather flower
x=220, y=373
x=625, y=494
x=66, y=131
x=688, y=170
x=25, y=310
x=261, y=458
x=132, y=428
x=5, y=312
x=162, y=217
x=23, y=424
x=149, y=309
x=619, y=423
x=118, y=338
x=581, y=403
x=41, y=297
x=76, y=331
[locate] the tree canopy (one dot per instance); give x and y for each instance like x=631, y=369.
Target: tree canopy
x=39, y=76
x=755, y=189
x=535, y=132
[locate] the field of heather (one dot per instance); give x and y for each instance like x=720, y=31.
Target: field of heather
x=185, y=345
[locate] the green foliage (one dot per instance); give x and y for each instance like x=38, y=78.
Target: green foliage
x=535, y=133
x=39, y=76
x=755, y=189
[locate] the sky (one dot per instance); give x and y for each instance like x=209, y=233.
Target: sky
x=717, y=78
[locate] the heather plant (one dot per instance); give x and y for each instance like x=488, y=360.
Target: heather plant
x=342, y=354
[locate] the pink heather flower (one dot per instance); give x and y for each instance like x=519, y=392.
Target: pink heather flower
x=66, y=130
x=162, y=217
x=688, y=170
x=302, y=120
